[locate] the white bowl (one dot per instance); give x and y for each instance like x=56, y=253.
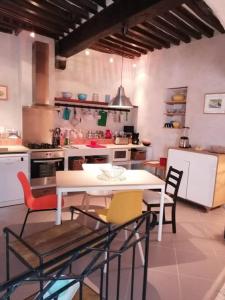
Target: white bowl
x=113, y=172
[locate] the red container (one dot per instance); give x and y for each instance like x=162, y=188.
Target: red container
x=162, y=161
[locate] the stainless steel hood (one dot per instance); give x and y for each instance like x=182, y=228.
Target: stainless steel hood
x=40, y=73
x=39, y=119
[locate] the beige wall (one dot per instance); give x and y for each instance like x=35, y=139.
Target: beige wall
x=16, y=74
x=201, y=67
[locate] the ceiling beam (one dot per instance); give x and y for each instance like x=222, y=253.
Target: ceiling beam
x=23, y=5
x=206, y=14
x=102, y=3
x=188, y=17
x=32, y=23
x=167, y=27
x=161, y=34
x=112, y=51
x=110, y=20
x=184, y=27
x=87, y=5
x=146, y=34
x=16, y=10
x=77, y=11
x=125, y=44
x=119, y=47
x=51, y=9
x=133, y=41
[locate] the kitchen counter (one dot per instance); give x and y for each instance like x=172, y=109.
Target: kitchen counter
x=8, y=149
x=83, y=150
x=106, y=146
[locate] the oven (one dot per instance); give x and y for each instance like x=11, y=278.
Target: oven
x=43, y=167
x=121, y=154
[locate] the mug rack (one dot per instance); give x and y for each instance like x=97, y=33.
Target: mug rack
x=88, y=104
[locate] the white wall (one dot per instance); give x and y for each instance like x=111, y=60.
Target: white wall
x=95, y=74
x=10, y=116
x=201, y=67
x=16, y=74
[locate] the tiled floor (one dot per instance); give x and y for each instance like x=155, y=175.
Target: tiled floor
x=188, y=265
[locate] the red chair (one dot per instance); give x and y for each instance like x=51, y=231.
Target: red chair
x=34, y=204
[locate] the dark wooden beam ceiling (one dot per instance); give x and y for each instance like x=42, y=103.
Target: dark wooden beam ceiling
x=123, y=27
x=110, y=20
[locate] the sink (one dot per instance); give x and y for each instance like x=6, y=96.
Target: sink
x=4, y=149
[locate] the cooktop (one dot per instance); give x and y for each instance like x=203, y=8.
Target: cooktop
x=42, y=146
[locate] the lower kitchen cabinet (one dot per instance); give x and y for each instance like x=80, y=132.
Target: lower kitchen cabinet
x=203, y=179
x=10, y=187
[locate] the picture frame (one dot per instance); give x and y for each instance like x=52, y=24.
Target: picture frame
x=214, y=103
x=3, y=92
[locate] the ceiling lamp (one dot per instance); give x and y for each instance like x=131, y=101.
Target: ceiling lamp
x=121, y=100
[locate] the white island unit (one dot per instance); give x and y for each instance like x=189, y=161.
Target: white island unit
x=203, y=180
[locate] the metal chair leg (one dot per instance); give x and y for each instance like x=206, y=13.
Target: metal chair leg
x=173, y=215
x=24, y=223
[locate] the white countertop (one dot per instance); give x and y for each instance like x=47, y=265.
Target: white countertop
x=13, y=149
x=106, y=146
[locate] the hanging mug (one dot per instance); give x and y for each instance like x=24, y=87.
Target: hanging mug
x=66, y=113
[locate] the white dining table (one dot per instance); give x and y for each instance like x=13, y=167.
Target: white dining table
x=83, y=181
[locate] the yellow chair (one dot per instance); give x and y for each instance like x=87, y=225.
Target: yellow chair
x=125, y=206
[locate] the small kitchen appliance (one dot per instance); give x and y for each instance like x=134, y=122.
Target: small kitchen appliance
x=184, y=139
x=135, y=138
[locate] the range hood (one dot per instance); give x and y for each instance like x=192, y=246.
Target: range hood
x=40, y=74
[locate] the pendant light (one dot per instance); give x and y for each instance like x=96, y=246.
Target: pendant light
x=121, y=100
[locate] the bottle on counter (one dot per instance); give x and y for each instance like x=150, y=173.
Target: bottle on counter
x=67, y=138
x=108, y=134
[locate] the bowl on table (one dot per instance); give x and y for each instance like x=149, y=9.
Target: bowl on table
x=113, y=172
x=82, y=96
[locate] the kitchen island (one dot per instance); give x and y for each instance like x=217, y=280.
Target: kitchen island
x=107, y=151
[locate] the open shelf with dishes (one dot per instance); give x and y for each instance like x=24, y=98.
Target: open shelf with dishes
x=175, y=107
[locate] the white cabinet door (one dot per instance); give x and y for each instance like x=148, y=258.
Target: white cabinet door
x=201, y=180
x=10, y=187
x=179, y=161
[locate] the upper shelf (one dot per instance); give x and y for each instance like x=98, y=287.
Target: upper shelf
x=87, y=104
x=175, y=102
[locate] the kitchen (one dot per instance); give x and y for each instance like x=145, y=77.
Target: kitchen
x=146, y=80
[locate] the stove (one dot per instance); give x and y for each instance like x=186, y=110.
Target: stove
x=42, y=146
x=46, y=159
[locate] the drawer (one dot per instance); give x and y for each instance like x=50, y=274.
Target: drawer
x=137, y=154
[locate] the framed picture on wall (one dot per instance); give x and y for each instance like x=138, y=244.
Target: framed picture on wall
x=3, y=92
x=214, y=104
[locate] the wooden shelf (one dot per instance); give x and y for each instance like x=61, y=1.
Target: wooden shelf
x=175, y=102
x=175, y=114
x=88, y=104
x=81, y=101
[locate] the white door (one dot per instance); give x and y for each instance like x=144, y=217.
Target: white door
x=201, y=181
x=178, y=160
x=10, y=187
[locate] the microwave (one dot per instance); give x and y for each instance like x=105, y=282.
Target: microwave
x=121, y=154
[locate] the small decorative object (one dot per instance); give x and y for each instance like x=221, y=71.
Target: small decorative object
x=82, y=96
x=3, y=92
x=179, y=98
x=107, y=98
x=66, y=95
x=113, y=172
x=95, y=97
x=214, y=104
x=146, y=142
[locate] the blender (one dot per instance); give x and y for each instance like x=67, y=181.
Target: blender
x=184, y=139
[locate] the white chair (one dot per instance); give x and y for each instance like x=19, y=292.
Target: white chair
x=96, y=169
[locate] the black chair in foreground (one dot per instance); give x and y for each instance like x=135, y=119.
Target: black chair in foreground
x=152, y=199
